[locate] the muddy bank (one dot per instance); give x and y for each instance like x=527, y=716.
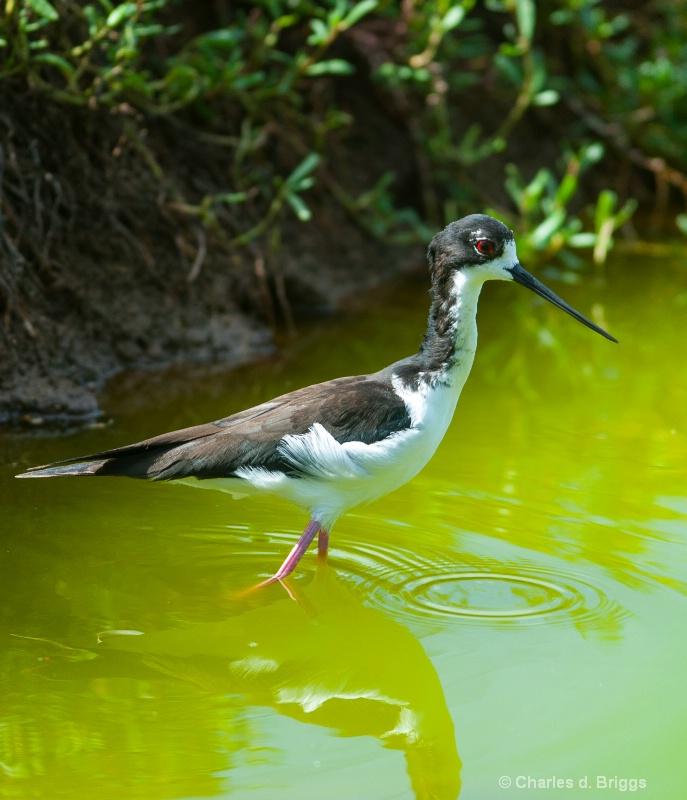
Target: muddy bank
x=103, y=266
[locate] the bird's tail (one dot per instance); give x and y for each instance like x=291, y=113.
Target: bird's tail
x=164, y=457
x=64, y=470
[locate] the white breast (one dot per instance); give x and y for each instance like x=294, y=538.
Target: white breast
x=341, y=476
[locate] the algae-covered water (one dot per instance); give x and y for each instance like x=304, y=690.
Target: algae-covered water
x=511, y=624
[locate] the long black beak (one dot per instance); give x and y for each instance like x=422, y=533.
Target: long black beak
x=523, y=277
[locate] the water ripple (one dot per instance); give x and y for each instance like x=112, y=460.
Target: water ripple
x=436, y=590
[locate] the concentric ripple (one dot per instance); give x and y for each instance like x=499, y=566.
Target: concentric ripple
x=435, y=591
x=481, y=594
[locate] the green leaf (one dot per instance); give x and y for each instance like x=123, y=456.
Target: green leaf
x=562, y=16
x=302, y=211
x=469, y=141
x=526, y=15
x=36, y=25
x=604, y=207
x=225, y=37
x=591, y=154
x=607, y=220
x=286, y=21
x=54, y=60
x=625, y=212
x=549, y=97
x=507, y=67
x=231, y=197
x=306, y=183
x=452, y=18
x=334, y=66
x=248, y=81
x=358, y=12
x=154, y=5
x=125, y=54
x=134, y=81
x=339, y=11
x=320, y=32
x=514, y=184
x=509, y=50
x=535, y=188
x=307, y=165
x=44, y=9
x=585, y=239
x=120, y=13
x=93, y=19
x=566, y=189
x=541, y=235
x=681, y=222
x=154, y=29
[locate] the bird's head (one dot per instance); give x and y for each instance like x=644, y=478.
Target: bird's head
x=479, y=248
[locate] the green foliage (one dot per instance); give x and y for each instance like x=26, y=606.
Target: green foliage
x=106, y=60
x=547, y=227
x=610, y=84
x=625, y=74
x=441, y=73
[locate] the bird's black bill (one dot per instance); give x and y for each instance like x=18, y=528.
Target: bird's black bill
x=523, y=277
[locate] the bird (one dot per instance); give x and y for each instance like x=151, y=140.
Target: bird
x=343, y=443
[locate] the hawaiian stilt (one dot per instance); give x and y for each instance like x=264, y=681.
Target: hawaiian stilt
x=339, y=444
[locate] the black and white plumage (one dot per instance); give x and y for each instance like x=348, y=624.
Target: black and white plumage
x=339, y=444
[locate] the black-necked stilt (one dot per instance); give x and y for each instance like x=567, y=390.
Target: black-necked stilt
x=342, y=443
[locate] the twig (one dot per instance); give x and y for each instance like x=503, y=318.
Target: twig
x=200, y=255
x=617, y=137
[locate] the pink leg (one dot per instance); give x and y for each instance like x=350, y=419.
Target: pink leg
x=295, y=555
x=323, y=541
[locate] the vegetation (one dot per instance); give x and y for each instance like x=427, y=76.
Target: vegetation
x=615, y=80
x=561, y=117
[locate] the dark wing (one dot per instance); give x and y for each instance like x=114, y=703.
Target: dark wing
x=364, y=409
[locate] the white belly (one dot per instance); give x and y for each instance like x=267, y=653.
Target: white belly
x=341, y=476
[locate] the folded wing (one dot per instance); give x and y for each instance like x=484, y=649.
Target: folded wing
x=362, y=408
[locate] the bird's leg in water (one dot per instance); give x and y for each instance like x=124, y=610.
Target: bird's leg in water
x=295, y=555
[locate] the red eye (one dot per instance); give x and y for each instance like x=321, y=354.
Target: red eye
x=485, y=247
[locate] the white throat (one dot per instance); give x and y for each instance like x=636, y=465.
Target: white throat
x=463, y=313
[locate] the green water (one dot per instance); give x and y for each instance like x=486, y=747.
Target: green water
x=519, y=608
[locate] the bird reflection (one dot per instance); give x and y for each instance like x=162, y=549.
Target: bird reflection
x=325, y=660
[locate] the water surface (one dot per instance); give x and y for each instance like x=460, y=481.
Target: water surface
x=518, y=609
